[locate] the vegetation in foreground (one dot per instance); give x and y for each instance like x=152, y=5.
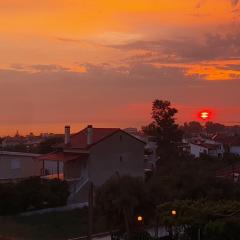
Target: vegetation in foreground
x=49, y=226
x=32, y=194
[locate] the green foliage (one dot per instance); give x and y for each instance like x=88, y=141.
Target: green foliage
x=10, y=199
x=164, y=128
x=121, y=200
x=214, y=128
x=191, y=179
x=163, y=125
x=48, y=226
x=192, y=128
x=216, y=220
x=17, y=148
x=31, y=194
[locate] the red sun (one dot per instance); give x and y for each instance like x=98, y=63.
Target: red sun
x=205, y=115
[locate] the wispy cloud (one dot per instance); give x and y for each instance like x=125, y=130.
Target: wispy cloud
x=201, y=3
x=47, y=68
x=234, y=3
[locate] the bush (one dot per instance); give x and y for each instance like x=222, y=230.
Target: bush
x=32, y=194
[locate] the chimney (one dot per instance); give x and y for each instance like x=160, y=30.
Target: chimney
x=67, y=135
x=89, y=134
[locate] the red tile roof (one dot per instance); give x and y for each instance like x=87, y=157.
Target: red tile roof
x=62, y=156
x=79, y=140
x=209, y=146
x=228, y=171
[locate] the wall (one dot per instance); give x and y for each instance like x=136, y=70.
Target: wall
x=14, y=166
x=197, y=150
x=76, y=169
x=218, y=152
x=235, y=150
x=119, y=154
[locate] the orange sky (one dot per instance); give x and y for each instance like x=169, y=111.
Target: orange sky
x=103, y=62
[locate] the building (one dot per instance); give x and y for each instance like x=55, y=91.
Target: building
x=151, y=146
x=210, y=149
x=235, y=149
x=231, y=143
x=16, y=166
x=198, y=146
x=94, y=155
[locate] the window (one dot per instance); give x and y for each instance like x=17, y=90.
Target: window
x=15, y=164
x=120, y=137
x=121, y=158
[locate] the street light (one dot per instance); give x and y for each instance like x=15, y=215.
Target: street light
x=139, y=218
x=174, y=212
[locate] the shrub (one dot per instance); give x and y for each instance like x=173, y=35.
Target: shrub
x=32, y=194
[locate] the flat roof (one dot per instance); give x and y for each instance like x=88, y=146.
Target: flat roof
x=20, y=154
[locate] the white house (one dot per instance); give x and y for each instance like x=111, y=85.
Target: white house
x=231, y=143
x=210, y=149
x=94, y=155
x=235, y=149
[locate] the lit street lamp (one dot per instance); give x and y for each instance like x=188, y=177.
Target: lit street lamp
x=139, y=218
x=174, y=213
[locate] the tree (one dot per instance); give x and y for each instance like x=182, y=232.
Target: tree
x=192, y=128
x=164, y=128
x=214, y=128
x=121, y=199
x=213, y=220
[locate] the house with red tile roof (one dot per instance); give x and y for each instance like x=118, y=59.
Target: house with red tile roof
x=94, y=155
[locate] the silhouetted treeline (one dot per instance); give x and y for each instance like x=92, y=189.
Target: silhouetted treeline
x=195, y=128
x=43, y=147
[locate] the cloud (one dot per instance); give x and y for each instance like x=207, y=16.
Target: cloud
x=200, y=4
x=213, y=73
x=234, y=3
x=71, y=40
x=210, y=46
x=47, y=68
x=98, y=96
x=100, y=93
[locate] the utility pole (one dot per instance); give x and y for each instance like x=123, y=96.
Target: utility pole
x=157, y=226
x=90, y=211
x=58, y=170
x=199, y=234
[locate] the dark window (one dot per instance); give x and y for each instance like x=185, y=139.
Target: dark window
x=121, y=158
x=120, y=138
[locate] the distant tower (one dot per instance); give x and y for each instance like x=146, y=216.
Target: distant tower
x=17, y=134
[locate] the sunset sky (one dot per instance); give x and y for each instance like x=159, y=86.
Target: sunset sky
x=103, y=62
